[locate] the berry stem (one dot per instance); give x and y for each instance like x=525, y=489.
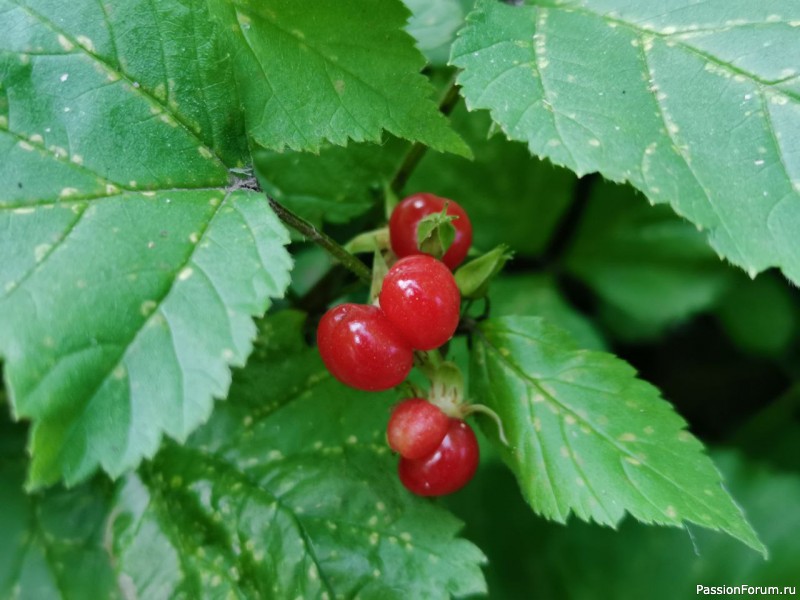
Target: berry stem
x=483, y=409
x=299, y=224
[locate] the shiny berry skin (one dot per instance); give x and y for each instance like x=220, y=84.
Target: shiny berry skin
x=448, y=469
x=362, y=349
x=421, y=299
x=416, y=428
x=406, y=217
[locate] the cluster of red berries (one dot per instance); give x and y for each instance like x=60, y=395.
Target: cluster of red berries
x=372, y=347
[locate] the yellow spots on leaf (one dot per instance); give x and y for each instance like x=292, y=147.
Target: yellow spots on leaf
x=77, y=159
x=594, y=143
x=165, y=118
x=41, y=251
x=119, y=372
x=67, y=192
x=147, y=307
x=374, y=538
x=684, y=436
x=313, y=573
x=778, y=99
x=634, y=461
x=373, y=520
x=649, y=430
x=111, y=189
x=405, y=536
x=570, y=420
x=3, y=121
x=671, y=512
x=537, y=424
x=580, y=482
x=627, y=437
x=36, y=138
x=352, y=440
x=185, y=273
x=65, y=43
x=85, y=42
x=160, y=92
x=275, y=455
x=214, y=201
x=204, y=152
x=564, y=451
x=25, y=145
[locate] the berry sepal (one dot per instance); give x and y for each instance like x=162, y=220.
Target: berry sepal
x=474, y=277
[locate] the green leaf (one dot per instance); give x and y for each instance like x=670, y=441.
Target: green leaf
x=587, y=437
x=760, y=316
x=539, y=296
x=693, y=105
x=526, y=553
x=510, y=197
x=52, y=542
x=434, y=25
x=650, y=266
x=309, y=76
x=288, y=491
x=335, y=185
x=129, y=267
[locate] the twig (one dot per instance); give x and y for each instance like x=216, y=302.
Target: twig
x=320, y=238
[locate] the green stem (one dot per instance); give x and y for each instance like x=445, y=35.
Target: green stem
x=320, y=238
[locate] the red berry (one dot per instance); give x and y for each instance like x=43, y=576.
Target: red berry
x=416, y=428
x=448, y=469
x=362, y=349
x=405, y=220
x=421, y=299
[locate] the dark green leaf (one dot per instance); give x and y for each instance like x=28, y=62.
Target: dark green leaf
x=697, y=104
x=651, y=267
x=587, y=437
x=510, y=197
x=335, y=185
x=529, y=555
x=760, y=316
x=52, y=543
x=289, y=491
x=309, y=75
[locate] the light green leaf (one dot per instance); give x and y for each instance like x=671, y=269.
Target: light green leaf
x=587, y=437
x=289, y=491
x=129, y=265
x=649, y=265
x=434, y=23
x=698, y=105
x=332, y=72
x=52, y=543
x=510, y=197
